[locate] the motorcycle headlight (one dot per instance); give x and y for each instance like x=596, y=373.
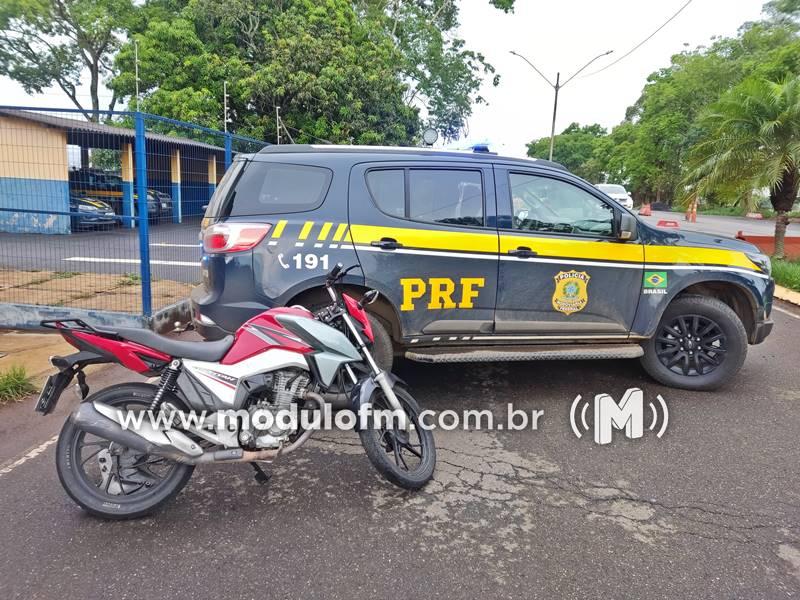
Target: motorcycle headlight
x=762, y=261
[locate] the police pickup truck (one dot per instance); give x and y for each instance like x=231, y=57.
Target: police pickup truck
x=478, y=258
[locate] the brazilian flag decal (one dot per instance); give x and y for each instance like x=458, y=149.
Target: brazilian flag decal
x=655, y=280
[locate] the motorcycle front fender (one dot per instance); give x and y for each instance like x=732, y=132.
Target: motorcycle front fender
x=362, y=392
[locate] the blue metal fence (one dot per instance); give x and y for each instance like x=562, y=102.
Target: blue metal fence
x=100, y=219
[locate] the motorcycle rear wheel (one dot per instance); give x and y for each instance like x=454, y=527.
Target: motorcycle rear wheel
x=407, y=459
x=111, y=482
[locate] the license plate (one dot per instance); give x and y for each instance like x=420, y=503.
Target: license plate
x=51, y=391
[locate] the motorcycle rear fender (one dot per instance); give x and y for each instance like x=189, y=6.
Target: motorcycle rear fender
x=68, y=367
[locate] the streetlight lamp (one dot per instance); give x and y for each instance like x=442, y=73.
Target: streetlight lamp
x=557, y=86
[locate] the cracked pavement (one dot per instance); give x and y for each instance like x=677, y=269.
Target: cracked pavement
x=711, y=510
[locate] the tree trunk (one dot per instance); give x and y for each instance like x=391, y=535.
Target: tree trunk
x=781, y=222
x=94, y=84
x=782, y=197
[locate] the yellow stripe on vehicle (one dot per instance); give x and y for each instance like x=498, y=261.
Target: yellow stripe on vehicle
x=689, y=255
x=278, y=229
x=570, y=248
x=430, y=239
x=549, y=247
x=339, y=232
x=305, y=230
x=323, y=234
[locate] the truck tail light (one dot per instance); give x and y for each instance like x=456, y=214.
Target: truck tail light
x=222, y=238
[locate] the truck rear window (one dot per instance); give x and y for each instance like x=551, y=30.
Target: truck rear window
x=276, y=188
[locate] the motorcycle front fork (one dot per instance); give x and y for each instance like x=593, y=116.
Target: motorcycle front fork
x=378, y=374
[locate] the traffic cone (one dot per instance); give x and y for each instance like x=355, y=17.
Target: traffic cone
x=646, y=211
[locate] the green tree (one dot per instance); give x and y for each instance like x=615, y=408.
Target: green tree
x=365, y=71
x=753, y=140
x=330, y=73
x=665, y=121
x=442, y=74
x=575, y=149
x=54, y=42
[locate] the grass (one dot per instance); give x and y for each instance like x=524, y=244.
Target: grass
x=15, y=385
x=130, y=279
x=787, y=273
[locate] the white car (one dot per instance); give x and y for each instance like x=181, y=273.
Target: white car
x=617, y=193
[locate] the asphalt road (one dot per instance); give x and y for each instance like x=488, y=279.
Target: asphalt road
x=711, y=510
x=174, y=251
x=719, y=225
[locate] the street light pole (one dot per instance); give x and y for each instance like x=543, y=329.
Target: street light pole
x=555, y=111
x=556, y=87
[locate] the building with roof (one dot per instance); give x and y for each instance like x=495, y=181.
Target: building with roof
x=35, y=166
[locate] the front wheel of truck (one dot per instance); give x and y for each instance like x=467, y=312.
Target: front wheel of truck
x=700, y=344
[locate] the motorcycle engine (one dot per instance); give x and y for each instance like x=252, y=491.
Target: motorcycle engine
x=287, y=388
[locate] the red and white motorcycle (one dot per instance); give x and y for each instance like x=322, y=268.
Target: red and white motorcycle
x=281, y=360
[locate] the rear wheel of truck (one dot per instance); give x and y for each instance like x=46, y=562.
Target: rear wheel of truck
x=700, y=344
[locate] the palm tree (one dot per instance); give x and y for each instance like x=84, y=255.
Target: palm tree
x=753, y=139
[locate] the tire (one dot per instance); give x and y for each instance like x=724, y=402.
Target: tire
x=382, y=459
x=382, y=348
x=696, y=313
x=87, y=495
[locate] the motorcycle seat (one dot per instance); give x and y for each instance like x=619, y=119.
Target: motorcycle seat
x=203, y=351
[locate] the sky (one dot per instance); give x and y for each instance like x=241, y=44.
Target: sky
x=563, y=36
x=556, y=36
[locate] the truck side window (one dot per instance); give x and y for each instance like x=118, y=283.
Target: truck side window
x=387, y=187
x=272, y=188
x=446, y=196
x=545, y=204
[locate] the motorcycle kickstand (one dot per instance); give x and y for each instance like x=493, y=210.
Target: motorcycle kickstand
x=261, y=476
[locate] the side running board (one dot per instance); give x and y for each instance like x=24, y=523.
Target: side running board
x=456, y=354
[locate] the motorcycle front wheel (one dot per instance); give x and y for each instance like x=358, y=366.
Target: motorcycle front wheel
x=405, y=458
x=114, y=482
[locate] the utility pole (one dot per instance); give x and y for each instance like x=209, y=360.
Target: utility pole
x=136, y=69
x=556, y=87
x=278, y=123
x=225, y=118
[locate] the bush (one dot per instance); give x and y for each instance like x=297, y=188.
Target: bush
x=787, y=273
x=15, y=385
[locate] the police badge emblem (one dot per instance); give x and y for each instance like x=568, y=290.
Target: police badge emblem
x=570, y=295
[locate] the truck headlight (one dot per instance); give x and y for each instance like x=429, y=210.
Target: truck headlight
x=762, y=261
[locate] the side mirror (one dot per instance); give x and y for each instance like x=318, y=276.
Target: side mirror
x=368, y=298
x=627, y=227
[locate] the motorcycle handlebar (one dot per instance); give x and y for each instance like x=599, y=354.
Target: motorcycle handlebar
x=335, y=273
x=338, y=272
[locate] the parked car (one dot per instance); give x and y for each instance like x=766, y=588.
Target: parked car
x=164, y=204
x=478, y=257
x=90, y=213
x=618, y=193
x=108, y=186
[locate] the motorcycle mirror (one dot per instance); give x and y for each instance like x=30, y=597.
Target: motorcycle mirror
x=369, y=298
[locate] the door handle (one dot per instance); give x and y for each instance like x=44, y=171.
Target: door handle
x=386, y=244
x=523, y=252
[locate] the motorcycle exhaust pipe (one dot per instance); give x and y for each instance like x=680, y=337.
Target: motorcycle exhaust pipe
x=99, y=419
x=103, y=421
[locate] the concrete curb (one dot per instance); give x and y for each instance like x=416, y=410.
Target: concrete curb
x=787, y=295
